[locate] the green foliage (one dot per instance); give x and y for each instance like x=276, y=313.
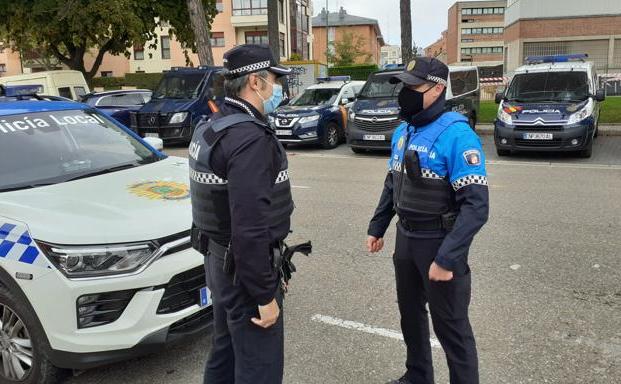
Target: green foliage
x=138, y=80
x=295, y=57
x=349, y=51
x=68, y=29
x=357, y=72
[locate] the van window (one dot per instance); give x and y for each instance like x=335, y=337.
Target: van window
x=463, y=82
x=179, y=85
x=65, y=92
x=216, y=85
x=79, y=92
x=549, y=86
x=378, y=85
x=120, y=100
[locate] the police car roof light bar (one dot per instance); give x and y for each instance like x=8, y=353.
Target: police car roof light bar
x=20, y=90
x=556, y=58
x=334, y=78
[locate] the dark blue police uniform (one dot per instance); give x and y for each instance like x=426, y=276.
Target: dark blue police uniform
x=437, y=185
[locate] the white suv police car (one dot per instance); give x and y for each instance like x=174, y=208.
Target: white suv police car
x=95, y=257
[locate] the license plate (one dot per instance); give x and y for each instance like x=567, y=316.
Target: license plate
x=375, y=137
x=152, y=134
x=205, y=297
x=284, y=132
x=538, y=136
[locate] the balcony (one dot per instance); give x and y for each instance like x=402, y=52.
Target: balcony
x=249, y=21
x=249, y=13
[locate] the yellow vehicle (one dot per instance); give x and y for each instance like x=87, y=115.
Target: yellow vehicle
x=64, y=83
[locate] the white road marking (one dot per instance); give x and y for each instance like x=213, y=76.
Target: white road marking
x=300, y=187
x=365, y=328
x=515, y=267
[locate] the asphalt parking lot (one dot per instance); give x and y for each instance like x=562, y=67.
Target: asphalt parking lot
x=546, y=302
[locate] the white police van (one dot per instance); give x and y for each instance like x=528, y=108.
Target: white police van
x=551, y=104
x=95, y=258
x=319, y=114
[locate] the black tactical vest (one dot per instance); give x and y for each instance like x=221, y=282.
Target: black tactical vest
x=210, y=198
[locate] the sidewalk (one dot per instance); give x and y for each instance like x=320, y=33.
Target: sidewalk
x=604, y=130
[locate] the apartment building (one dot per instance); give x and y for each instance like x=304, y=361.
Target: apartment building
x=390, y=55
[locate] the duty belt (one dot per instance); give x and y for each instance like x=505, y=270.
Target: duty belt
x=443, y=222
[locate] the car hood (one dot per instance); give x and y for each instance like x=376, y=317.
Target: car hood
x=385, y=106
x=300, y=111
x=543, y=112
x=167, y=105
x=141, y=203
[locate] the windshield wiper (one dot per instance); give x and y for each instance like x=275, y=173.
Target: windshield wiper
x=103, y=171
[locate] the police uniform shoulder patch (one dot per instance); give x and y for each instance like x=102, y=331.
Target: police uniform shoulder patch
x=401, y=142
x=411, y=65
x=472, y=157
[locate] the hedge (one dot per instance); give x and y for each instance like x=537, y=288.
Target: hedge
x=138, y=80
x=357, y=72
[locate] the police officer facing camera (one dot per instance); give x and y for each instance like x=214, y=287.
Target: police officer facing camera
x=241, y=208
x=437, y=185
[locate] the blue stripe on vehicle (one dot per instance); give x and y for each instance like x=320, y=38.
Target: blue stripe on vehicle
x=5, y=248
x=29, y=256
x=5, y=229
x=25, y=239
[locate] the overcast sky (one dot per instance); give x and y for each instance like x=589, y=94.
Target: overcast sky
x=429, y=17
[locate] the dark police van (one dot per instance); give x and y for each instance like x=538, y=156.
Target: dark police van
x=551, y=104
x=182, y=98
x=318, y=115
x=375, y=115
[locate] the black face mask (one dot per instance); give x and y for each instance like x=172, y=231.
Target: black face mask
x=411, y=103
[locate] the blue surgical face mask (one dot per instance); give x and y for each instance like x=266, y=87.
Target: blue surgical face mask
x=274, y=101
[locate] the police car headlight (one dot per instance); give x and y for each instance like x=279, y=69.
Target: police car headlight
x=504, y=116
x=309, y=119
x=582, y=114
x=178, y=118
x=97, y=261
x=352, y=115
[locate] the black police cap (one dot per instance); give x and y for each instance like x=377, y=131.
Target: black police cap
x=423, y=70
x=249, y=58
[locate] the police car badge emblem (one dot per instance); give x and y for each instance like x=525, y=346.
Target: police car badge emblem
x=161, y=190
x=472, y=157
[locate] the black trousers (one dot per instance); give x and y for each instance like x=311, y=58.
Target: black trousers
x=242, y=353
x=448, y=304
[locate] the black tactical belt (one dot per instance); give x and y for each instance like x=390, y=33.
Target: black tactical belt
x=445, y=222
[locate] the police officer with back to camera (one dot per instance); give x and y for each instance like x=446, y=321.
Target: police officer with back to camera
x=437, y=185
x=241, y=208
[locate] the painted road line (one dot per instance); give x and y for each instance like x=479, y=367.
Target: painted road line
x=365, y=328
x=300, y=187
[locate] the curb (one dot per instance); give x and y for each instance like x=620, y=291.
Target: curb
x=604, y=130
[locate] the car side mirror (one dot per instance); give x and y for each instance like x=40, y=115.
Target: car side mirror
x=155, y=142
x=344, y=100
x=600, y=95
x=500, y=96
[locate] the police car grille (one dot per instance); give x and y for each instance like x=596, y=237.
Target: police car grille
x=196, y=321
x=377, y=126
x=182, y=291
x=148, y=119
x=539, y=128
x=538, y=143
x=102, y=308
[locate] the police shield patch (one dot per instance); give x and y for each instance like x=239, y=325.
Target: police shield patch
x=473, y=157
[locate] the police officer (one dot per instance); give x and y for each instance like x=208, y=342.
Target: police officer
x=437, y=185
x=241, y=208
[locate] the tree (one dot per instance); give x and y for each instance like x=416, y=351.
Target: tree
x=273, y=33
x=349, y=50
x=406, y=31
x=200, y=25
x=416, y=51
x=68, y=29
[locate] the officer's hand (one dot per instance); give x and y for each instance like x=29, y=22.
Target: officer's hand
x=437, y=273
x=269, y=315
x=374, y=244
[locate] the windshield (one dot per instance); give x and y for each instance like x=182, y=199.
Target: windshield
x=314, y=97
x=549, y=86
x=54, y=147
x=378, y=86
x=179, y=86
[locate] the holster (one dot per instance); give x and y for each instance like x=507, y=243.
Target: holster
x=448, y=220
x=200, y=241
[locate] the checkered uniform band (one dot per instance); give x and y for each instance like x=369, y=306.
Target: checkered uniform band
x=469, y=180
x=436, y=79
x=206, y=178
x=282, y=176
x=429, y=174
x=250, y=68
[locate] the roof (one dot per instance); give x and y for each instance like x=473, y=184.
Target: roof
x=33, y=106
x=545, y=67
x=343, y=19
x=334, y=84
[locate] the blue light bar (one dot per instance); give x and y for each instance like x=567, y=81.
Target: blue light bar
x=334, y=78
x=20, y=90
x=556, y=58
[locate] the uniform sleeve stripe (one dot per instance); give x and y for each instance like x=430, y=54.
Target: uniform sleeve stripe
x=206, y=178
x=469, y=180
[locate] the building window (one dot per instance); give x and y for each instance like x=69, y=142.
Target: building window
x=2, y=67
x=304, y=19
x=481, y=50
x=282, y=45
x=249, y=7
x=281, y=11
x=257, y=37
x=483, y=11
x=483, y=31
x=138, y=52
x=217, y=39
x=165, y=47
x=219, y=6
x=106, y=73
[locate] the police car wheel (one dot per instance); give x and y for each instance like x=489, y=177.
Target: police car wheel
x=331, y=136
x=22, y=345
